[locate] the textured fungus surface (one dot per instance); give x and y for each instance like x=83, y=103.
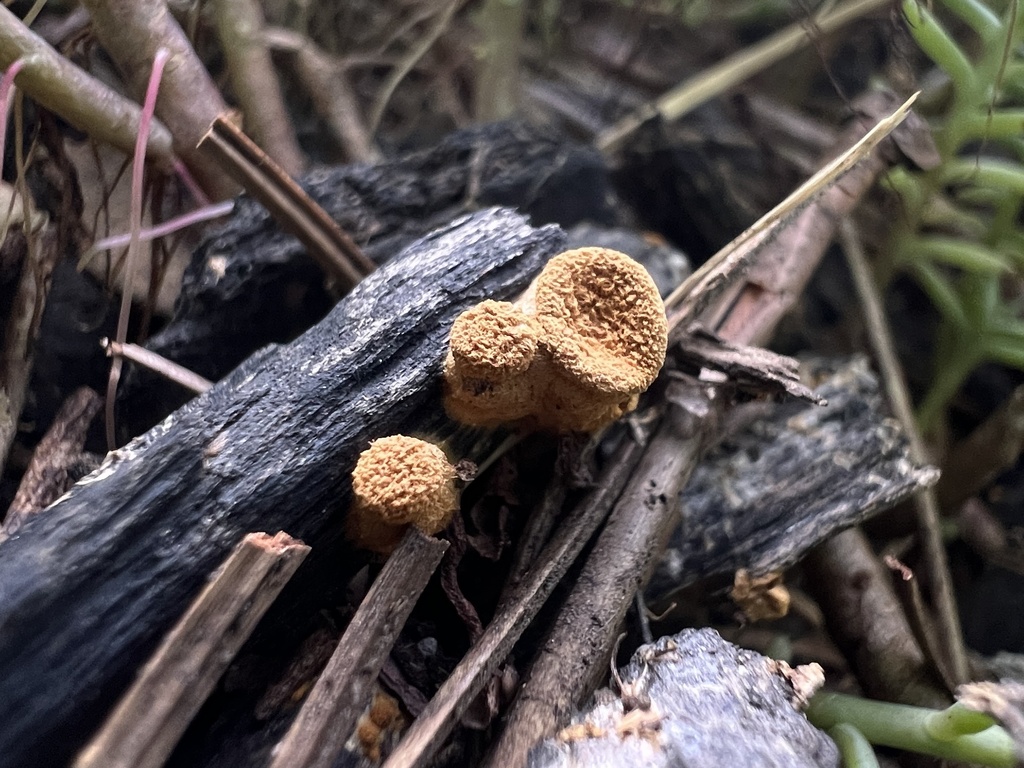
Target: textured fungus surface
x=574, y=353
x=398, y=481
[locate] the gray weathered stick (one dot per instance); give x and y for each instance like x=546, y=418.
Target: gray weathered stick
x=483, y=659
x=46, y=478
x=343, y=690
x=146, y=725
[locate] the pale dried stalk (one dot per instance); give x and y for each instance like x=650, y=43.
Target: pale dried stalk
x=735, y=69
x=66, y=90
x=926, y=502
x=152, y=715
x=132, y=31
x=255, y=83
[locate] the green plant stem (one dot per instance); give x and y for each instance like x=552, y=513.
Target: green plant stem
x=913, y=728
x=999, y=124
x=855, y=750
x=988, y=172
x=956, y=720
x=977, y=16
x=939, y=46
x=75, y=95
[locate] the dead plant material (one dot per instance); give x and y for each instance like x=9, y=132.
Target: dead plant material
x=253, y=78
x=735, y=69
x=132, y=31
x=71, y=92
x=993, y=446
x=345, y=687
x=867, y=622
x=952, y=658
x=740, y=293
x=25, y=313
x=49, y=474
x=159, y=364
x=797, y=230
x=152, y=715
x=760, y=598
x=752, y=371
x=326, y=242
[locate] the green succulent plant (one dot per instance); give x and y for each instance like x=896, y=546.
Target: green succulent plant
x=960, y=233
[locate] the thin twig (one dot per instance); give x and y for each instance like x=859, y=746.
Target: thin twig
x=345, y=687
x=993, y=446
x=78, y=97
x=926, y=502
x=255, y=82
x=733, y=70
x=152, y=715
x=487, y=654
x=404, y=67
x=46, y=478
x=132, y=31
x=158, y=364
x=868, y=623
x=326, y=242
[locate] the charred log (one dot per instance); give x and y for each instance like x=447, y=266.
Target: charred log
x=88, y=586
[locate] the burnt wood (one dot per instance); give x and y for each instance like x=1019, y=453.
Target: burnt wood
x=765, y=496
x=693, y=699
x=89, y=586
x=250, y=284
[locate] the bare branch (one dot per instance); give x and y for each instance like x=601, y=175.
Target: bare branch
x=75, y=95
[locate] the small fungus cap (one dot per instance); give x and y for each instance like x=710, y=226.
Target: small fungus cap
x=603, y=318
x=401, y=480
x=493, y=340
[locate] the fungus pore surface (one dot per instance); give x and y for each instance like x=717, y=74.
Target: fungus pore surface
x=573, y=353
x=399, y=481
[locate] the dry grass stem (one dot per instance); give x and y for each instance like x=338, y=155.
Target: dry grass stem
x=78, y=97
x=132, y=31
x=255, y=82
x=716, y=80
x=926, y=502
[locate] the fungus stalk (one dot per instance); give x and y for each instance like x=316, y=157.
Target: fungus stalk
x=400, y=481
x=574, y=353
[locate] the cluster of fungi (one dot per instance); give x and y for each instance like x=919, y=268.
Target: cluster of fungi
x=573, y=353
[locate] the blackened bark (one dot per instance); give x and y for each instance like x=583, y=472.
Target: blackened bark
x=88, y=586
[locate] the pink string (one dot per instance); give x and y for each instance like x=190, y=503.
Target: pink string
x=168, y=227
x=6, y=84
x=138, y=167
x=190, y=183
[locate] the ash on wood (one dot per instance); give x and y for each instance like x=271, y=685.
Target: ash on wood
x=764, y=497
x=88, y=588
x=143, y=729
x=693, y=699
